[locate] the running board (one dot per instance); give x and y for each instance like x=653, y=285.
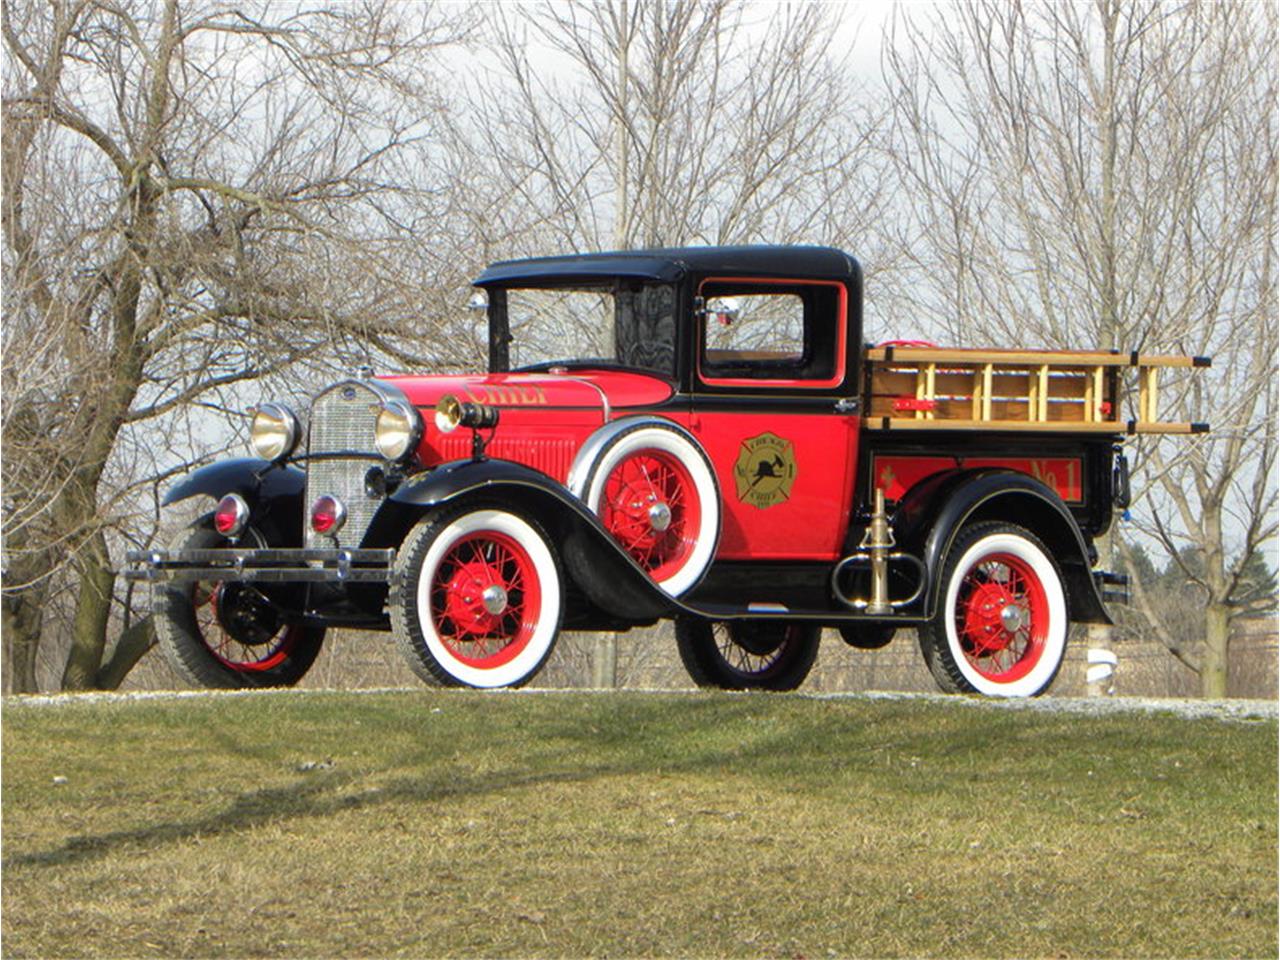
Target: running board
x=778, y=611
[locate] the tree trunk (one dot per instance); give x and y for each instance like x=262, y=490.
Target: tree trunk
x=1217, y=638
x=1101, y=635
x=26, y=584
x=93, y=610
x=604, y=662
x=622, y=183
x=23, y=618
x=129, y=649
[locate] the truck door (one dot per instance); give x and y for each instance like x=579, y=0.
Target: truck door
x=771, y=363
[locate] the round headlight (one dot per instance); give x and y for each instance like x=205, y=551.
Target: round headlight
x=397, y=430
x=274, y=431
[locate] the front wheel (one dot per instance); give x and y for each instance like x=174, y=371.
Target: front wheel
x=1000, y=627
x=747, y=654
x=477, y=599
x=228, y=634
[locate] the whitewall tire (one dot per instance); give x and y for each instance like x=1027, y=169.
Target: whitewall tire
x=1001, y=623
x=477, y=598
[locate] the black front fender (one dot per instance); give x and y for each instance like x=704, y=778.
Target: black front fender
x=273, y=492
x=606, y=573
x=250, y=477
x=932, y=514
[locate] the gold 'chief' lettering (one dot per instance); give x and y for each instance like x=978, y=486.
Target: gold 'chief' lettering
x=506, y=396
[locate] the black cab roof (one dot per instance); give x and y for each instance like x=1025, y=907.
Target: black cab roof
x=672, y=264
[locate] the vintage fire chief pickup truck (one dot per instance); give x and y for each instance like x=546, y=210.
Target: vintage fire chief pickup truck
x=697, y=434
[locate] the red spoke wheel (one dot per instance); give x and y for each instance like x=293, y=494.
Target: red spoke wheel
x=654, y=491
x=651, y=507
x=485, y=599
x=747, y=654
x=1001, y=624
x=479, y=599
x=229, y=634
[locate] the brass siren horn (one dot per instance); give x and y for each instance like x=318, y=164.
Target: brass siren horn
x=452, y=413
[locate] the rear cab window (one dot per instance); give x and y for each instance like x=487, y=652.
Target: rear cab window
x=758, y=332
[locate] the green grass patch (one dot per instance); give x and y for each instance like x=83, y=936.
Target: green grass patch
x=468, y=824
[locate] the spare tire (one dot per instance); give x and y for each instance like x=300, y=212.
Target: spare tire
x=654, y=490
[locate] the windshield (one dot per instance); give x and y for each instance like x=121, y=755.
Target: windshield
x=624, y=322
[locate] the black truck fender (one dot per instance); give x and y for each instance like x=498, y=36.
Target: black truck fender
x=273, y=492
x=606, y=573
x=932, y=514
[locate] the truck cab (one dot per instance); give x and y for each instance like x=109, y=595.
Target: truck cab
x=695, y=434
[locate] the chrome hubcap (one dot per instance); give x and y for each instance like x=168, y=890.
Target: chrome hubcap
x=1011, y=618
x=495, y=599
x=659, y=516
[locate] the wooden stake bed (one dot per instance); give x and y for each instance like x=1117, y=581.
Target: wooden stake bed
x=930, y=388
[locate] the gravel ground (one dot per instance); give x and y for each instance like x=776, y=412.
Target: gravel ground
x=1250, y=711
x=1240, y=710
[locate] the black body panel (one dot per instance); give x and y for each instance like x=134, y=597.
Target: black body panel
x=931, y=515
x=671, y=264
x=273, y=492
x=606, y=574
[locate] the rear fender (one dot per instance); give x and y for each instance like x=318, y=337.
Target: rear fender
x=606, y=573
x=932, y=514
x=273, y=492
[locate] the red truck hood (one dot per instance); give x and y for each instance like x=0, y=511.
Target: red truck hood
x=578, y=390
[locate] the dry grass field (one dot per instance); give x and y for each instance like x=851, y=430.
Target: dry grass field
x=463, y=824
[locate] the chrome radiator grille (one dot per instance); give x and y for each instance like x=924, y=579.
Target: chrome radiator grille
x=341, y=422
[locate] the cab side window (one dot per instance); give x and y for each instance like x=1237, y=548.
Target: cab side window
x=769, y=331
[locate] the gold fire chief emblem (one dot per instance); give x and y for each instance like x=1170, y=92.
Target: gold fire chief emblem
x=765, y=471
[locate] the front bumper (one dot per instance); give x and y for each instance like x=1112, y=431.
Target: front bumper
x=296, y=565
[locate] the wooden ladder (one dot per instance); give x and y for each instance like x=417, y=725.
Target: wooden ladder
x=931, y=388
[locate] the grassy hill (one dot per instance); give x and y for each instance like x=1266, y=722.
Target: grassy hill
x=446, y=823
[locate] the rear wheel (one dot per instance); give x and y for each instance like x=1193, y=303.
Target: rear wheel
x=747, y=654
x=228, y=634
x=478, y=598
x=1000, y=627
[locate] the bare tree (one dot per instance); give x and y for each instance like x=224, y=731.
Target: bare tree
x=1104, y=175
x=196, y=195
x=678, y=122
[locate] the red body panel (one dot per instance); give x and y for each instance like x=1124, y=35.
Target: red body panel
x=795, y=507
x=545, y=417
x=786, y=482
x=586, y=389
x=897, y=474
x=543, y=439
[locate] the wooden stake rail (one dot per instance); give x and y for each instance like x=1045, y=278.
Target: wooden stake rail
x=1073, y=357
x=930, y=388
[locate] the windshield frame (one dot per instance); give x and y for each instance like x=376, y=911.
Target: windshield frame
x=501, y=337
